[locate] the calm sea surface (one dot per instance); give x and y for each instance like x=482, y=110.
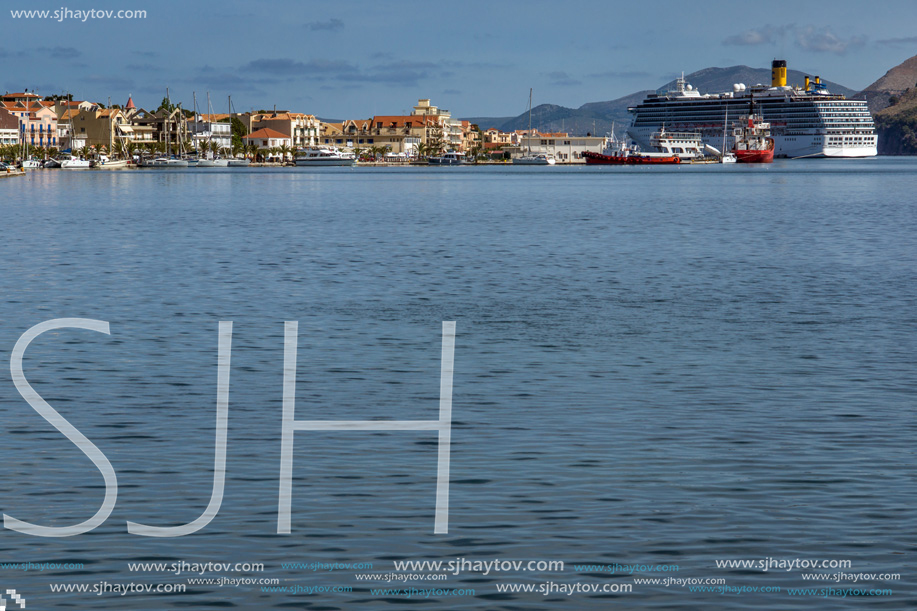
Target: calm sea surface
x=652, y=366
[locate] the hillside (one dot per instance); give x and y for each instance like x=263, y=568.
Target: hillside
x=896, y=81
x=598, y=117
x=896, y=125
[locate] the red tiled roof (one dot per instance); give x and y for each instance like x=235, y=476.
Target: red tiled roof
x=213, y=118
x=402, y=120
x=265, y=132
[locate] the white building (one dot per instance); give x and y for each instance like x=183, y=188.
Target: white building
x=565, y=148
x=267, y=138
x=9, y=128
x=214, y=132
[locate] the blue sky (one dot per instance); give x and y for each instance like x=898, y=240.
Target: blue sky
x=355, y=59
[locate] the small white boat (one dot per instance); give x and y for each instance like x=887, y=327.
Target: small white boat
x=75, y=163
x=450, y=158
x=31, y=164
x=728, y=158
x=535, y=159
x=51, y=163
x=324, y=156
x=238, y=163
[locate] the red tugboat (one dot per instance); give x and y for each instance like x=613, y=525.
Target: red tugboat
x=753, y=142
x=632, y=158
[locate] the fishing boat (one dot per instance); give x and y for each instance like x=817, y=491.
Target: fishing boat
x=323, y=156
x=753, y=141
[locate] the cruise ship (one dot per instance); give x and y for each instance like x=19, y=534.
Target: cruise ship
x=805, y=122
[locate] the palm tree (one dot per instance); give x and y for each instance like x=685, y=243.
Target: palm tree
x=285, y=150
x=435, y=145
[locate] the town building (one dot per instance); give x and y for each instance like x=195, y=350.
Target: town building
x=168, y=128
x=303, y=130
x=214, y=129
x=267, y=138
x=564, y=147
x=37, y=119
x=9, y=128
x=99, y=128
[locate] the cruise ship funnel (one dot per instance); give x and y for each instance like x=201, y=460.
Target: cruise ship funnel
x=778, y=73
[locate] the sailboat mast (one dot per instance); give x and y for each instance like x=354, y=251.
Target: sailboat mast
x=210, y=112
x=168, y=123
x=530, y=120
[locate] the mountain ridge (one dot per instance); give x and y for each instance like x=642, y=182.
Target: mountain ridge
x=599, y=117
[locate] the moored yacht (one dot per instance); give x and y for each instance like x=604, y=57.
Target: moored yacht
x=104, y=162
x=166, y=162
x=449, y=158
x=535, y=159
x=75, y=163
x=324, y=156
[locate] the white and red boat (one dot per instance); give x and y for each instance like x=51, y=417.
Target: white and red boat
x=670, y=148
x=753, y=141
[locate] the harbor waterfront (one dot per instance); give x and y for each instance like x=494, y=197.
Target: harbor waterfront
x=656, y=370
